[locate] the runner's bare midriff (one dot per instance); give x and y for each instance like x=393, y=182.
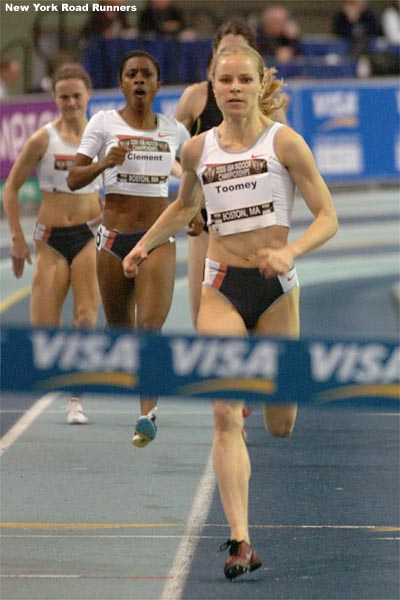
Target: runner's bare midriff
x=65, y=210
x=132, y=213
x=240, y=250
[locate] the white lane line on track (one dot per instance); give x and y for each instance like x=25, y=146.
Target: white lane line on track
x=105, y=536
x=171, y=411
x=26, y=420
x=200, y=508
x=384, y=414
x=117, y=526
x=80, y=576
x=362, y=528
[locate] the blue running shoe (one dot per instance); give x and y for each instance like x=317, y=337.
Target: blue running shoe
x=145, y=430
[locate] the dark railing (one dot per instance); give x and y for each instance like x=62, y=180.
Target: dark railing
x=180, y=62
x=323, y=57
x=186, y=62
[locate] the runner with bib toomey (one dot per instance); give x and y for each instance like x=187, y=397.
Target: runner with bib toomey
x=248, y=168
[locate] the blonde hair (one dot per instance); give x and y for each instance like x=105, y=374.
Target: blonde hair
x=271, y=97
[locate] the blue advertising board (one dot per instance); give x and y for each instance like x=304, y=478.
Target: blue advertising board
x=351, y=127
x=316, y=372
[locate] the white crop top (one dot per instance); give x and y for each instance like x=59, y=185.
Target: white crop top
x=245, y=190
x=52, y=169
x=147, y=165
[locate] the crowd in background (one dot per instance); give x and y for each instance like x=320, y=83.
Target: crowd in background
x=10, y=71
x=279, y=35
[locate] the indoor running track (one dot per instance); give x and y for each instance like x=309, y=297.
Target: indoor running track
x=87, y=516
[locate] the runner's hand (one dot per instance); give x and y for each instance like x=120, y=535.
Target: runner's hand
x=272, y=262
x=131, y=262
x=196, y=225
x=116, y=156
x=19, y=253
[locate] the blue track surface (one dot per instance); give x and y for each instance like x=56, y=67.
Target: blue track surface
x=89, y=517
x=320, y=503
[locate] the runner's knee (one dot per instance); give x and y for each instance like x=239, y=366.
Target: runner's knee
x=279, y=423
x=281, y=430
x=151, y=321
x=227, y=417
x=84, y=317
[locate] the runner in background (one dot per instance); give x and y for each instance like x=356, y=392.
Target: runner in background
x=136, y=149
x=65, y=252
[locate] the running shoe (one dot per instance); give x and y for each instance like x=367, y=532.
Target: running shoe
x=75, y=414
x=145, y=430
x=242, y=559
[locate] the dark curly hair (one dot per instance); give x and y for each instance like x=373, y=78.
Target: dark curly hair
x=134, y=53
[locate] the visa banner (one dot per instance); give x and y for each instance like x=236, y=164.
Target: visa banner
x=353, y=371
x=352, y=127
x=255, y=369
x=69, y=359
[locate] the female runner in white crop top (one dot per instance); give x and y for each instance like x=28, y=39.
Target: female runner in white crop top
x=65, y=253
x=249, y=276
x=198, y=111
x=136, y=149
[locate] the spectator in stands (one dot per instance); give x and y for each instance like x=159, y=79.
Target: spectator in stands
x=356, y=22
x=385, y=59
x=161, y=18
x=107, y=24
x=390, y=22
x=53, y=39
x=278, y=36
x=10, y=70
